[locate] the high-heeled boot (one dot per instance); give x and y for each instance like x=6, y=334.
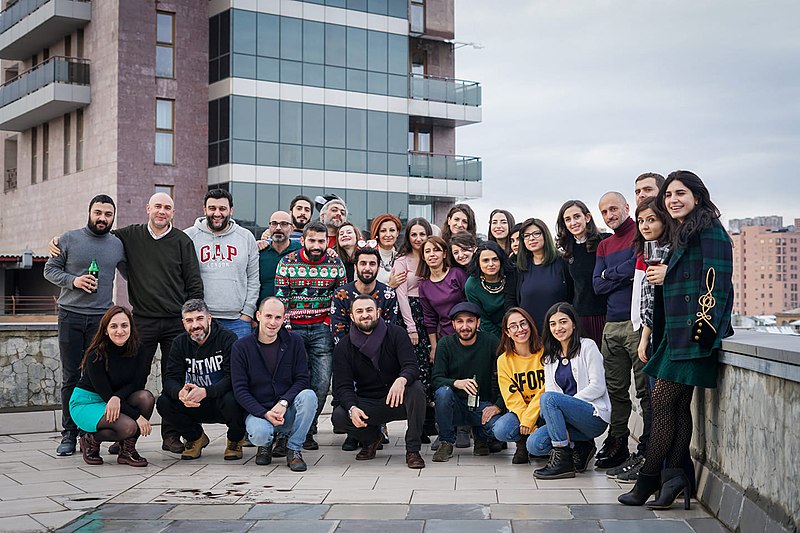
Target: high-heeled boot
x=646, y=485
x=673, y=483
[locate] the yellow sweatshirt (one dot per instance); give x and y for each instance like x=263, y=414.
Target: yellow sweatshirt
x=521, y=381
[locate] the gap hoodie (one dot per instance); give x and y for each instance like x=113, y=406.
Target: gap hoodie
x=228, y=267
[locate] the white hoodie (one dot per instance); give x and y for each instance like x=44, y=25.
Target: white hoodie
x=229, y=268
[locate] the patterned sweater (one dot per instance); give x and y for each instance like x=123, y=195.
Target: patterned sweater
x=306, y=288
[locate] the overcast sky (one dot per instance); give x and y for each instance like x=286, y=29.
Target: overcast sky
x=581, y=97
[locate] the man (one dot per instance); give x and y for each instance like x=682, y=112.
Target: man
x=613, y=276
x=228, y=257
x=647, y=186
x=280, y=227
x=465, y=365
x=332, y=213
x=83, y=299
x=301, y=209
x=197, y=385
x=305, y=282
x=376, y=381
x=270, y=379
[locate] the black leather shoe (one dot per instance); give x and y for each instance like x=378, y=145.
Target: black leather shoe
x=350, y=444
x=619, y=456
x=608, y=448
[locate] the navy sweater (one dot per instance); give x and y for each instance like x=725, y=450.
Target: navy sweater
x=613, y=271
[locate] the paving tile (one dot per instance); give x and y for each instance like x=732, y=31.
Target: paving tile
x=477, y=482
x=449, y=512
x=137, y=496
x=29, y=505
x=6, y=481
x=368, y=512
x=344, y=495
x=75, y=525
x=124, y=526
x=578, y=482
x=453, y=469
x=651, y=526
x=217, y=497
x=295, y=526
x=257, y=482
x=730, y=507
x=52, y=488
x=57, y=519
x=185, y=468
x=113, y=470
x=33, y=437
x=430, y=483
x=540, y=496
x=285, y=496
x=697, y=511
x=15, y=466
x=66, y=474
x=530, y=512
x=86, y=500
x=603, y=495
x=219, y=526
x=118, y=484
x=454, y=496
x=20, y=523
x=467, y=526
x=324, y=482
x=181, y=482
x=613, y=511
x=556, y=526
x=286, y=511
x=5, y=439
x=206, y=512
x=131, y=511
x=381, y=526
x=706, y=525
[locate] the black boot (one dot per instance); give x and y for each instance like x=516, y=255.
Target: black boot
x=521, y=454
x=582, y=454
x=561, y=465
x=617, y=457
x=609, y=446
x=673, y=482
x=646, y=485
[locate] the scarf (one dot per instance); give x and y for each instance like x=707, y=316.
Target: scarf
x=369, y=345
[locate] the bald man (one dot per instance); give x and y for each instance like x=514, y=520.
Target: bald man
x=275, y=243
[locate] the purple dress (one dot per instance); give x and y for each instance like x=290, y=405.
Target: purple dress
x=438, y=297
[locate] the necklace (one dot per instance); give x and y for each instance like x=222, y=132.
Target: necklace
x=387, y=265
x=493, y=290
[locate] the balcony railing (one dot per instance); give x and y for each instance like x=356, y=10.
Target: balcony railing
x=57, y=69
x=446, y=90
x=10, y=182
x=449, y=167
x=19, y=10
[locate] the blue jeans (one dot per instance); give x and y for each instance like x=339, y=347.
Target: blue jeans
x=506, y=429
x=452, y=411
x=238, y=326
x=296, y=422
x=318, y=340
x=567, y=419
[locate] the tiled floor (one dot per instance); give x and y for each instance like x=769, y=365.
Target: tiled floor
x=40, y=491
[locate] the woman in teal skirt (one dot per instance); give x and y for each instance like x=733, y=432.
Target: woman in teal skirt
x=109, y=402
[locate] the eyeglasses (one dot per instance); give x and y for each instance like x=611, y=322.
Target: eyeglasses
x=274, y=224
x=521, y=325
x=531, y=235
x=372, y=243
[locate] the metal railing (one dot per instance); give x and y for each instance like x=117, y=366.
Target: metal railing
x=20, y=9
x=449, y=90
x=449, y=167
x=10, y=182
x=57, y=69
x=30, y=305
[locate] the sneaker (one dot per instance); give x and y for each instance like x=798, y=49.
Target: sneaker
x=480, y=448
x=444, y=453
x=294, y=460
x=279, y=449
x=194, y=449
x=631, y=475
x=629, y=462
x=172, y=443
x=264, y=455
x=435, y=444
x=233, y=450
x=350, y=444
x=67, y=446
x=462, y=437
x=414, y=460
x=310, y=443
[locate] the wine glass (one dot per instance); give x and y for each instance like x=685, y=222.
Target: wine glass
x=653, y=254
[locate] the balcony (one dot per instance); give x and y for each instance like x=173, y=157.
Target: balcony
x=447, y=167
x=28, y=26
x=444, y=101
x=52, y=88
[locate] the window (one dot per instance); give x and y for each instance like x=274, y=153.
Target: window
x=166, y=189
x=45, y=150
x=79, y=140
x=417, y=16
x=419, y=140
x=67, y=141
x=165, y=130
x=79, y=47
x=34, y=132
x=68, y=46
x=165, y=45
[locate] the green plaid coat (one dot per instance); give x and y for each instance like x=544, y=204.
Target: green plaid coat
x=677, y=358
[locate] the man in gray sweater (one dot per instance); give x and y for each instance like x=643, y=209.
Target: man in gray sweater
x=84, y=299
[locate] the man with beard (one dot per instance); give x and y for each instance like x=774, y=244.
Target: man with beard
x=301, y=209
x=197, y=385
x=280, y=245
x=376, y=381
x=228, y=257
x=83, y=299
x=332, y=213
x=305, y=282
x=465, y=365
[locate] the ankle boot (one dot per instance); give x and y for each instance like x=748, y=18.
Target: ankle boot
x=521, y=454
x=90, y=449
x=582, y=453
x=128, y=454
x=646, y=485
x=561, y=465
x=673, y=482
x=617, y=456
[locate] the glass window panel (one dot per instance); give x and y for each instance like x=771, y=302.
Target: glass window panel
x=357, y=80
x=224, y=67
x=335, y=126
x=357, y=5
x=291, y=156
x=287, y=194
x=377, y=83
x=376, y=163
x=225, y=32
x=164, y=148
x=291, y=72
x=357, y=129
x=397, y=133
x=357, y=48
x=267, y=202
x=398, y=86
x=244, y=117
x=244, y=32
x=398, y=205
x=357, y=207
x=335, y=159
x=356, y=161
x=377, y=129
x=397, y=165
x=379, y=7
x=335, y=39
x=335, y=78
x=165, y=59
x=424, y=141
x=291, y=123
x=313, y=42
x=244, y=66
x=313, y=192
x=224, y=152
x=313, y=75
x=164, y=28
x=336, y=3
x=164, y=114
x=269, y=35
x=398, y=54
x=268, y=69
x=243, y=152
x=213, y=37
x=213, y=120
x=417, y=18
x=213, y=71
x=224, y=118
x=377, y=203
x=313, y=124
x=411, y=139
x=213, y=155
x=267, y=114
x=313, y=158
x=267, y=154
x=244, y=195
x=398, y=8
x=291, y=38
x=377, y=46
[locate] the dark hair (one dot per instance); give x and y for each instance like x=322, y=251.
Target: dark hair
x=638, y=238
x=552, y=346
x=463, y=208
x=103, y=199
x=343, y=255
x=405, y=246
x=366, y=251
x=363, y=296
x=218, y=194
x=423, y=270
x=658, y=177
x=315, y=227
x=301, y=198
x=462, y=240
x=380, y=219
x=193, y=305
x=509, y=220
x=507, y=343
x=566, y=240
x=474, y=268
x=100, y=342
x=701, y=217
x=525, y=256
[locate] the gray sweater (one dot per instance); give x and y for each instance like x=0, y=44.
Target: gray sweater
x=78, y=248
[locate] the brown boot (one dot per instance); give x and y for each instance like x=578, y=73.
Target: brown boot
x=128, y=454
x=90, y=449
x=521, y=454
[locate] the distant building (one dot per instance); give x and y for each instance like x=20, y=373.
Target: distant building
x=773, y=222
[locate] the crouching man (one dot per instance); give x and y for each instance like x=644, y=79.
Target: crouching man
x=269, y=370
x=197, y=383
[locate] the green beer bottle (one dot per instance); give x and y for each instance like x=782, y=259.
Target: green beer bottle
x=94, y=271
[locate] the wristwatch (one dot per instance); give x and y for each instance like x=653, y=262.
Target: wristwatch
x=284, y=403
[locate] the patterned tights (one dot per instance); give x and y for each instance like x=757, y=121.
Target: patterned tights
x=672, y=426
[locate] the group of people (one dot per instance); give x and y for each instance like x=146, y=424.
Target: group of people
x=521, y=338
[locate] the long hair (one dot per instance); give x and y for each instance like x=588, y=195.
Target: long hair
x=525, y=256
x=462, y=240
x=423, y=270
x=638, y=238
x=552, y=346
x=474, y=268
x=405, y=246
x=101, y=341
x=566, y=240
x=509, y=220
x=344, y=255
x=463, y=208
x=701, y=217
x=507, y=343
x=380, y=219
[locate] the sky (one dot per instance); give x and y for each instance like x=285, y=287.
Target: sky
x=580, y=97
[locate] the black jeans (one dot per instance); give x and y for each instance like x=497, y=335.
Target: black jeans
x=186, y=420
x=413, y=410
x=75, y=332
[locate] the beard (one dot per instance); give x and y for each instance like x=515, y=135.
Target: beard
x=199, y=334
x=278, y=236
x=366, y=327
x=467, y=335
x=366, y=277
x=98, y=231
x=314, y=255
x=298, y=224
x=210, y=222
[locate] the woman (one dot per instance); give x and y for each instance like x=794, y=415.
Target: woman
x=109, y=402
x=461, y=249
x=346, y=242
x=577, y=238
x=500, y=224
x=385, y=229
x=542, y=275
x=698, y=299
x=460, y=218
x=575, y=405
x=520, y=375
x=486, y=285
x=513, y=239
